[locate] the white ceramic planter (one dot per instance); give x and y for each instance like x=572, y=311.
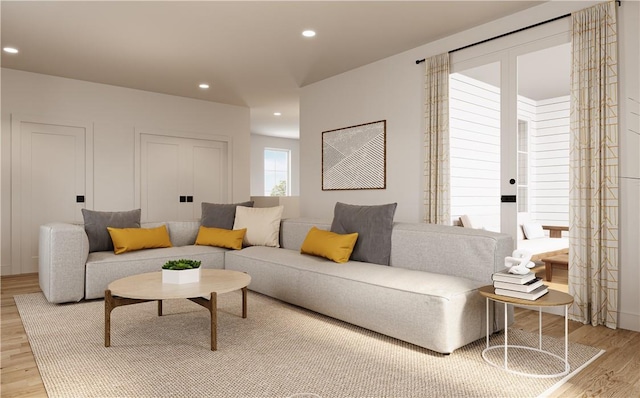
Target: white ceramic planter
x=180, y=276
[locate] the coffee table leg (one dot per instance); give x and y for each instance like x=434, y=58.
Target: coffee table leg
x=244, y=302
x=213, y=308
x=108, y=306
x=548, y=270
x=159, y=307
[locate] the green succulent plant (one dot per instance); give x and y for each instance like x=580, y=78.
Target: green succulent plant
x=181, y=264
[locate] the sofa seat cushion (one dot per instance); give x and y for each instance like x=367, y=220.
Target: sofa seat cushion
x=421, y=282
x=103, y=268
x=434, y=311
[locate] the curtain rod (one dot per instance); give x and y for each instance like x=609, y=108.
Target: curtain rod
x=419, y=61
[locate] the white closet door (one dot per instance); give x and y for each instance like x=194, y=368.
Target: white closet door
x=52, y=176
x=160, y=177
x=209, y=174
x=177, y=174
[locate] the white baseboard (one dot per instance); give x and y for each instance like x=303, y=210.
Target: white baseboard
x=629, y=321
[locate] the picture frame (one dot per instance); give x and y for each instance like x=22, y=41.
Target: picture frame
x=355, y=157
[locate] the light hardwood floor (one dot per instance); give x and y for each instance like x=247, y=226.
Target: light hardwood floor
x=20, y=376
x=614, y=374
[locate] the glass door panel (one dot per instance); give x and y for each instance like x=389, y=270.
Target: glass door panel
x=499, y=158
x=523, y=166
x=543, y=135
x=475, y=145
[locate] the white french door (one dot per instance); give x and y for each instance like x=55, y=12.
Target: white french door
x=490, y=178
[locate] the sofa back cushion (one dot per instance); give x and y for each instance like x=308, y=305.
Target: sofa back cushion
x=293, y=231
x=182, y=233
x=468, y=253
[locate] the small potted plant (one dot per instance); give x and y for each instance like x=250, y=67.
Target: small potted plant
x=181, y=271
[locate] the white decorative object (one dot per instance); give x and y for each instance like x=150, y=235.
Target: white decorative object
x=519, y=262
x=181, y=276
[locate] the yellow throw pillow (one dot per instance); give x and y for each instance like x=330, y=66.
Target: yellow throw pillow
x=329, y=245
x=131, y=239
x=228, y=238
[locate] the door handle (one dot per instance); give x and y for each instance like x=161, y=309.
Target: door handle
x=183, y=199
x=508, y=199
x=80, y=199
x=189, y=199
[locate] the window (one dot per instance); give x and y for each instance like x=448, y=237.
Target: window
x=276, y=172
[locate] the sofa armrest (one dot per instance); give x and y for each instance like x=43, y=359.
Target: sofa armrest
x=64, y=249
x=463, y=252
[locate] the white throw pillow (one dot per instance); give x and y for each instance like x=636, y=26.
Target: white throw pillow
x=465, y=221
x=533, y=230
x=468, y=221
x=262, y=224
x=523, y=217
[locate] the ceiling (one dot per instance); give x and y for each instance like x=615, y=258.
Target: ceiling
x=251, y=53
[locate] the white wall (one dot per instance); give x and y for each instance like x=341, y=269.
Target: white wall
x=258, y=144
x=114, y=113
x=629, y=111
x=387, y=91
x=392, y=89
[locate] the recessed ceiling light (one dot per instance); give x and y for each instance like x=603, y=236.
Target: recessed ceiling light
x=308, y=33
x=277, y=113
x=203, y=85
x=10, y=50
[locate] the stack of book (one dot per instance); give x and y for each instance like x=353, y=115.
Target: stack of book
x=527, y=286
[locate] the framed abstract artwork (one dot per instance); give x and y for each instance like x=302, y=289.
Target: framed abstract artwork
x=355, y=157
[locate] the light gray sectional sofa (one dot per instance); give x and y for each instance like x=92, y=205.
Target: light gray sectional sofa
x=68, y=272
x=426, y=296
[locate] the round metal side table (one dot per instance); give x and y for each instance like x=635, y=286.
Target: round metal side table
x=553, y=298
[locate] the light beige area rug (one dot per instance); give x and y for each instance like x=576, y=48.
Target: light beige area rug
x=278, y=351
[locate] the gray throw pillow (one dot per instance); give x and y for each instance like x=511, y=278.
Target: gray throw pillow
x=96, y=223
x=223, y=216
x=373, y=225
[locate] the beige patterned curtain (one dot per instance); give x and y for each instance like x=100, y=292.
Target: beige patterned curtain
x=436, y=141
x=593, y=194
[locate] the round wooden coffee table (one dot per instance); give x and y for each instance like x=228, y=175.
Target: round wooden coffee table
x=142, y=288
